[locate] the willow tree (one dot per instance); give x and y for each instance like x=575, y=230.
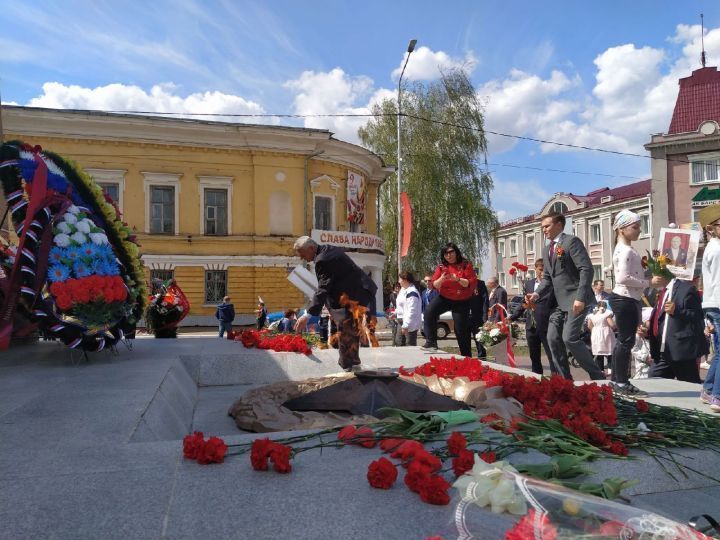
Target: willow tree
x=443, y=153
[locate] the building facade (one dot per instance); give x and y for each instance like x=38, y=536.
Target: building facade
x=686, y=159
x=588, y=216
x=216, y=205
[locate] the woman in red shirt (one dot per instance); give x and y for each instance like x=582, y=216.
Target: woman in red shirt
x=455, y=280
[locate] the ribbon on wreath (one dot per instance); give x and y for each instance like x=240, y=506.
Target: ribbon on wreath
x=504, y=327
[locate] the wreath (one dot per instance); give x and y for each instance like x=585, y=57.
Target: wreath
x=76, y=272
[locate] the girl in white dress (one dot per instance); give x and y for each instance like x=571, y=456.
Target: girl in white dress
x=602, y=337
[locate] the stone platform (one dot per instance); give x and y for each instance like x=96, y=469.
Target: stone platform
x=93, y=450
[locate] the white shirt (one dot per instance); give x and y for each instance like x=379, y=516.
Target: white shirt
x=629, y=274
x=408, y=307
x=711, y=274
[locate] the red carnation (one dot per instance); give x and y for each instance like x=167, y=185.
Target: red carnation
x=407, y=450
x=388, y=445
x=488, y=457
x=463, y=463
x=382, y=473
x=427, y=461
x=346, y=433
x=512, y=271
x=365, y=437
x=64, y=302
x=521, y=267
x=192, y=444
x=213, y=451
x=280, y=456
x=434, y=490
x=414, y=477
x=259, y=452
x=642, y=406
x=456, y=443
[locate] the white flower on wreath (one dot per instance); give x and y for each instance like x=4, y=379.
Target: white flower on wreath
x=61, y=240
x=98, y=238
x=79, y=238
x=72, y=209
x=492, y=484
x=64, y=228
x=84, y=226
x=70, y=218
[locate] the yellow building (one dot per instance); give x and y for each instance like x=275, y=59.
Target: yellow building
x=218, y=205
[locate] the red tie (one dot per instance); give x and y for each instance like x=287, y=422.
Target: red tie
x=658, y=310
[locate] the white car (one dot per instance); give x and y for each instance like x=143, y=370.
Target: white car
x=446, y=325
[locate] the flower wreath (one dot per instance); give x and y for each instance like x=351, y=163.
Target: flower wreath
x=77, y=273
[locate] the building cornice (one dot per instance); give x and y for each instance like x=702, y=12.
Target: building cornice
x=80, y=125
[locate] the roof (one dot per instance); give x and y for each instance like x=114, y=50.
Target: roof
x=698, y=101
x=595, y=198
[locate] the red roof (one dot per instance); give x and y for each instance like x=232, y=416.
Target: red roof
x=629, y=191
x=698, y=100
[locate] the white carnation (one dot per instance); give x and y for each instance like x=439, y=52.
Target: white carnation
x=98, y=238
x=70, y=218
x=84, y=226
x=495, y=332
x=72, y=209
x=79, y=238
x=64, y=228
x=62, y=240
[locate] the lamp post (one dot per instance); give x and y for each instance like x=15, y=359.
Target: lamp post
x=410, y=49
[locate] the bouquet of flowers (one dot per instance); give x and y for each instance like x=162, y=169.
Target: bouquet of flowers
x=167, y=307
x=493, y=333
x=657, y=263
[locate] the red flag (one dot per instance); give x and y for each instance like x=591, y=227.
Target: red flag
x=407, y=223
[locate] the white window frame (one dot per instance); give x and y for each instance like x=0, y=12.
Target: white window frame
x=527, y=245
x=111, y=176
x=514, y=281
x=501, y=247
x=552, y=207
x=332, y=210
x=710, y=156
x=162, y=180
x=590, y=235
x=501, y=279
x=513, y=252
x=216, y=182
x=531, y=274
x=649, y=219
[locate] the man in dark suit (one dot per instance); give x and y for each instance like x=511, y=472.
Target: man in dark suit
x=568, y=275
x=478, y=313
x=600, y=294
x=337, y=274
x=497, y=295
x=537, y=321
x=676, y=332
x=675, y=252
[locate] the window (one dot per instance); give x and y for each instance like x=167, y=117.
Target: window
x=704, y=168
x=514, y=281
x=531, y=274
x=501, y=247
x=595, y=234
x=530, y=243
x=513, y=247
x=597, y=272
x=215, y=286
x=216, y=205
x=501, y=279
x=324, y=213
x=644, y=224
x=112, y=190
x=162, y=210
x=559, y=207
x=162, y=275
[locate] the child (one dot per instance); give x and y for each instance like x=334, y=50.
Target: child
x=225, y=313
x=260, y=314
x=602, y=337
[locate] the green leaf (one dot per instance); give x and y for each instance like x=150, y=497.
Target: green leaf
x=453, y=418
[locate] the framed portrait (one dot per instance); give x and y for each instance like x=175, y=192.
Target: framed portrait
x=680, y=247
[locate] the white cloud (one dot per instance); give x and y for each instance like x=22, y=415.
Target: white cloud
x=160, y=98
x=427, y=65
x=336, y=92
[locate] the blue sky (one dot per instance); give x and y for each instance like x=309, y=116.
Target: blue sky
x=600, y=74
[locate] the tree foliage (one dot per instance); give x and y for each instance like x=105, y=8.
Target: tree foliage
x=441, y=171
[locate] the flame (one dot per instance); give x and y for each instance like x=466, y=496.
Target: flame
x=364, y=326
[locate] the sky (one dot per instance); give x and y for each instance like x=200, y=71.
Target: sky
x=599, y=74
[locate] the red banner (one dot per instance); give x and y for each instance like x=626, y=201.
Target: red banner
x=407, y=223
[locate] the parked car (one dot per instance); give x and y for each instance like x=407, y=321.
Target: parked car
x=515, y=304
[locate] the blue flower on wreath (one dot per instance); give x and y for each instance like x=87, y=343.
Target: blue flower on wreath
x=81, y=269
x=58, y=272
x=57, y=254
x=88, y=251
x=72, y=253
x=105, y=251
x=105, y=268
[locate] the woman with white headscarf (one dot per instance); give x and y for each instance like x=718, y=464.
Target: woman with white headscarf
x=630, y=281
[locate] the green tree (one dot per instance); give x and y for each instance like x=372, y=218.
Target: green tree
x=443, y=147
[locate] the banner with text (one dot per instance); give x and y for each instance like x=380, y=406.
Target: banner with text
x=349, y=240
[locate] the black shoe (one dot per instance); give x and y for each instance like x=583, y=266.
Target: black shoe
x=628, y=390
x=430, y=347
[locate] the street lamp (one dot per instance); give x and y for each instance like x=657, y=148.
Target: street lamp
x=410, y=49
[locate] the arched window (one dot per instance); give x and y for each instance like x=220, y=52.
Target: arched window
x=559, y=207
x=280, y=213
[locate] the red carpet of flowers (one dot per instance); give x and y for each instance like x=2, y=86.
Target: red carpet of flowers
x=581, y=409
x=264, y=339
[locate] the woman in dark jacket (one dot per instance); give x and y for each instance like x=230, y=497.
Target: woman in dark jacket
x=455, y=280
